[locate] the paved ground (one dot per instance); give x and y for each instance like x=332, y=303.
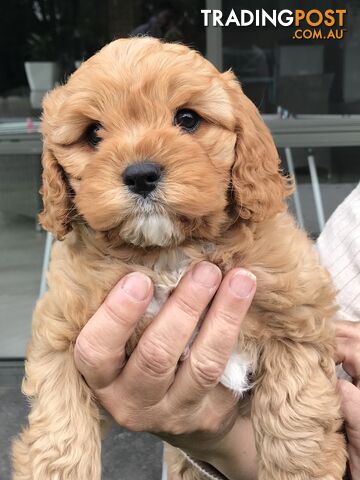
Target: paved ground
x=21, y=253
x=126, y=456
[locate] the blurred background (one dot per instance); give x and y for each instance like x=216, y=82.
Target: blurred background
x=308, y=92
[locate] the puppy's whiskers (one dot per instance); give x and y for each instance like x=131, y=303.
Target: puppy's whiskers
x=145, y=205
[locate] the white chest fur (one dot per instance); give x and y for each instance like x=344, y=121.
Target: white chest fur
x=169, y=269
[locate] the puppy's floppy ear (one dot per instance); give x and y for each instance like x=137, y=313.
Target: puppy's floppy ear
x=57, y=206
x=259, y=189
x=55, y=191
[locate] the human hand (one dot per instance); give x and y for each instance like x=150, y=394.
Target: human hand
x=348, y=353
x=183, y=404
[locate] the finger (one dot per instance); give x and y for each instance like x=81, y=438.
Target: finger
x=347, y=328
x=350, y=404
x=217, y=338
x=154, y=361
x=348, y=353
x=100, y=347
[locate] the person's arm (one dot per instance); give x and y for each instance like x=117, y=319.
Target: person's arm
x=185, y=405
x=348, y=353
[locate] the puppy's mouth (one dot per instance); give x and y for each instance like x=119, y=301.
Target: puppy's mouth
x=152, y=229
x=149, y=224
x=149, y=205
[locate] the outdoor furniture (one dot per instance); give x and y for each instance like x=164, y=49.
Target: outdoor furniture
x=312, y=131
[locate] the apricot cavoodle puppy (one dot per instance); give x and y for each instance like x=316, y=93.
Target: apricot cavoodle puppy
x=153, y=161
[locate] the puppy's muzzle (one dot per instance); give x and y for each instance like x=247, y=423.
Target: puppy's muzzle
x=142, y=178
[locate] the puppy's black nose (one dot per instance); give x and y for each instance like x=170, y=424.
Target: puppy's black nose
x=142, y=178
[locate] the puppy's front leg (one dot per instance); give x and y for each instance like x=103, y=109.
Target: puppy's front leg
x=295, y=412
x=62, y=441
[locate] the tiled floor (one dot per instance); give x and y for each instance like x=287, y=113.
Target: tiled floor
x=21, y=251
x=126, y=456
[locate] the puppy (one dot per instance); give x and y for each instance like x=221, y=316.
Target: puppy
x=154, y=161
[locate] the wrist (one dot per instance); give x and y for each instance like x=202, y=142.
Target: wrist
x=233, y=455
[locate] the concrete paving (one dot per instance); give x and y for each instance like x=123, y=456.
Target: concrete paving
x=21, y=253
x=125, y=456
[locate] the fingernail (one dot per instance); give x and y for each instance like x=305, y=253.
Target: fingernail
x=207, y=274
x=136, y=285
x=242, y=283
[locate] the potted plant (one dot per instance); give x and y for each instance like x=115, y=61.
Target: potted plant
x=42, y=71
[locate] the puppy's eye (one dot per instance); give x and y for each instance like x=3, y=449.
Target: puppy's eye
x=91, y=134
x=187, y=120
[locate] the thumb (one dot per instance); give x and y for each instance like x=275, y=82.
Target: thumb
x=350, y=403
x=100, y=347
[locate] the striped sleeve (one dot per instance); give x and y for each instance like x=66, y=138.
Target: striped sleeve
x=339, y=249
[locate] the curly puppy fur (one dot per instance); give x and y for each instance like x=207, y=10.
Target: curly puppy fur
x=221, y=198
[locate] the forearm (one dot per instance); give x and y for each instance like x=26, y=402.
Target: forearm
x=354, y=461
